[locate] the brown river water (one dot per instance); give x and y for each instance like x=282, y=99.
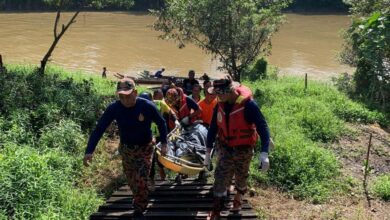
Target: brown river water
x=125, y=43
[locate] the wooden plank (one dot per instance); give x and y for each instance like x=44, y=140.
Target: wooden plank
x=189, y=200
x=167, y=207
x=174, y=187
x=250, y=214
x=127, y=199
x=194, y=193
x=184, y=182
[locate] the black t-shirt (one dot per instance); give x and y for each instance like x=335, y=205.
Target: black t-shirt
x=188, y=84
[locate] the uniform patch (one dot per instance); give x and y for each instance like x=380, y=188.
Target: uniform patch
x=141, y=117
x=219, y=117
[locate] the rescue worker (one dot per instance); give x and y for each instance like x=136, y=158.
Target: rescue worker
x=134, y=117
x=196, y=89
x=238, y=121
x=207, y=105
x=185, y=108
x=171, y=121
x=187, y=112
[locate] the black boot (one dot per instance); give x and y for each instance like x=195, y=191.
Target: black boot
x=138, y=215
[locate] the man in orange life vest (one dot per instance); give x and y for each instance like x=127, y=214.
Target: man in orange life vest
x=237, y=120
x=185, y=108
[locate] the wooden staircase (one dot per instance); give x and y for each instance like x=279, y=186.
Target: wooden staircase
x=171, y=201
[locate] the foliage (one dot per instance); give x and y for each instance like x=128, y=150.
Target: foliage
x=236, y=32
x=65, y=135
x=30, y=186
x=367, y=47
x=345, y=83
x=43, y=121
x=69, y=4
x=363, y=8
x=257, y=70
x=382, y=187
x=300, y=122
x=318, y=5
x=50, y=98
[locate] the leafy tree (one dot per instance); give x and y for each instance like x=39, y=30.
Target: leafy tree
x=367, y=48
x=235, y=32
x=71, y=4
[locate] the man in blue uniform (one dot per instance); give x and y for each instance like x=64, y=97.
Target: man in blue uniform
x=134, y=117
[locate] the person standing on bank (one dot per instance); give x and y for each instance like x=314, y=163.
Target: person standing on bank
x=104, y=73
x=238, y=121
x=134, y=117
x=189, y=82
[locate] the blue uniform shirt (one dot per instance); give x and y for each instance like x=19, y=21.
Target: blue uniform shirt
x=252, y=114
x=134, y=124
x=192, y=104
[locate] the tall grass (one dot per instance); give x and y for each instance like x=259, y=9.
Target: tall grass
x=381, y=187
x=300, y=121
x=44, y=124
x=44, y=121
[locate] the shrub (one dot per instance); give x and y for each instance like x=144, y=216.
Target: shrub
x=382, y=187
x=258, y=70
x=66, y=136
x=16, y=128
x=31, y=188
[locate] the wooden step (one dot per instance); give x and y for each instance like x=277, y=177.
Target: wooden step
x=129, y=199
x=173, y=215
x=206, y=206
x=189, y=200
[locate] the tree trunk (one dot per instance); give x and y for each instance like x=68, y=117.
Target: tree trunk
x=57, y=38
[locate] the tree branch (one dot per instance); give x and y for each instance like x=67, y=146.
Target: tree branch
x=57, y=37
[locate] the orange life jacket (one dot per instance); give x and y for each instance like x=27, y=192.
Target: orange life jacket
x=239, y=132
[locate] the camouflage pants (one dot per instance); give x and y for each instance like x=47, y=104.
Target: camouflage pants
x=136, y=166
x=232, y=162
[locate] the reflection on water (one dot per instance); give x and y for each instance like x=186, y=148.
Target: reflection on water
x=126, y=43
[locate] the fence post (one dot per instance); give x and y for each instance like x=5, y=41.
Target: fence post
x=367, y=171
x=1, y=62
x=305, y=82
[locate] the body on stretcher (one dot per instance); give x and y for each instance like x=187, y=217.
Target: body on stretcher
x=186, y=150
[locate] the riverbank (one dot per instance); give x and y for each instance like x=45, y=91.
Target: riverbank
x=45, y=122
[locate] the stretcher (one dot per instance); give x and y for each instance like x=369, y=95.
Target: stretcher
x=189, y=165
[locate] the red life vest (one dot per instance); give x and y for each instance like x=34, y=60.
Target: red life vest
x=243, y=91
x=239, y=132
x=184, y=110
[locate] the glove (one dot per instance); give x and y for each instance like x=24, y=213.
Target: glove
x=185, y=121
x=207, y=159
x=264, y=161
x=177, y=123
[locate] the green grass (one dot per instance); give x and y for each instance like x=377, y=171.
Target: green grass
x=382, y=187
x=45, y=121
x=300, y=121
x=44, y=125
